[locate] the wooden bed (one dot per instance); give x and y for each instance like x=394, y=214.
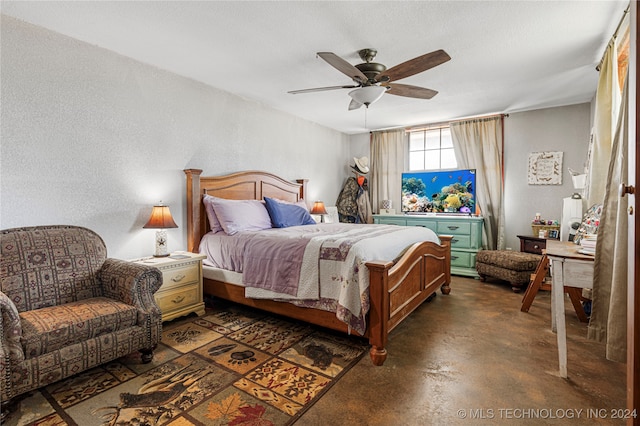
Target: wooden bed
x=395, y=290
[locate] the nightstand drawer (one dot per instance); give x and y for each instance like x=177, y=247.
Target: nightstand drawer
x=532, y=244
x=181, y=290
x=172, y=300
x=179, y=276
x=534, y=247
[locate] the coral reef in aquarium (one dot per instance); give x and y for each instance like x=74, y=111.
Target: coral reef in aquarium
x=456, y=197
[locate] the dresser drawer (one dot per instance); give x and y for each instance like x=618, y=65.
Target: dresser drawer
x=391, y=221
x=461, y=241
x=425, y=224
x=179, y=298
x=179, y=276
x=452, y=227
x=462, y=259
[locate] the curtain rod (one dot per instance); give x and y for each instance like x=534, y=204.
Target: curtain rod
x=613, y=37
x=439, y=124
x=446, y=123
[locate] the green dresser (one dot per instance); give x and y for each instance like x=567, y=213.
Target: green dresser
x=466, y=232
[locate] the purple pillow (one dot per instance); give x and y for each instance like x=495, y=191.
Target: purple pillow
x=214, y=223
x=241, y=215
x=284, y=214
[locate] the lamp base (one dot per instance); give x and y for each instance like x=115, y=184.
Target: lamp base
x=161, y=244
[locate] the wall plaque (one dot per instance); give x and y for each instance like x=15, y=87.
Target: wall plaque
x=545, y=168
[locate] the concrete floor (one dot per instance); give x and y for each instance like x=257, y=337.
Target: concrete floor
x=473, y=358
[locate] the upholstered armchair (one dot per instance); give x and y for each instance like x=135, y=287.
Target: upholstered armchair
x=65, y=307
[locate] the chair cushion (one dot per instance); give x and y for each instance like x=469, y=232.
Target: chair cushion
x=516, y=278
x=48, y=329
x=507, y=259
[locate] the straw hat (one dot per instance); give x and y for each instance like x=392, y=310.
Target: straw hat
x=362, y=165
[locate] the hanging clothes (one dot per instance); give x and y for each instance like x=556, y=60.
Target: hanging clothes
x=353, y=202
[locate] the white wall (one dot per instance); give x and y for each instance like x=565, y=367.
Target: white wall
x=563, y=129
x=92, y=138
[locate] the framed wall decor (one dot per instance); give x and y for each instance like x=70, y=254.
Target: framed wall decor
x=545, y=168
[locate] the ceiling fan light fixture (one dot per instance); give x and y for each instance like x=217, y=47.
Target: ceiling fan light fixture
x=368, y=94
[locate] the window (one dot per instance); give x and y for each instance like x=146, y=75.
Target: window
x=431, y=149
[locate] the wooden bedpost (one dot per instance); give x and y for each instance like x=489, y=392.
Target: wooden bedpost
x=193, y=209
x=303, y=189
x=445, y=241
x=378, y=310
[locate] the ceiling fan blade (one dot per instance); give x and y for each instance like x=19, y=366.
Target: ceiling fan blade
x=321, y=89
x=415, y=66
x=411, y=91
x=354, y=105
x=343, y=66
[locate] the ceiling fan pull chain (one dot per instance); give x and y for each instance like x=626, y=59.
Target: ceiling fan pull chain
x=365, y=117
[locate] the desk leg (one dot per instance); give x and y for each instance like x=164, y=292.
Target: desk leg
x=557, y=288
x=553, y=299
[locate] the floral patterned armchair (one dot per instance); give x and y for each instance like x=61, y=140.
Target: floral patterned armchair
x=65, y=307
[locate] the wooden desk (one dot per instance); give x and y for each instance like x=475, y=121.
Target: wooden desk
x=568, y=268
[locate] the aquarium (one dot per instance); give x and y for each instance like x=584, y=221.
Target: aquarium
x=441, y=191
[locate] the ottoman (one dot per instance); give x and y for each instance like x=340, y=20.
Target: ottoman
x=513, y=266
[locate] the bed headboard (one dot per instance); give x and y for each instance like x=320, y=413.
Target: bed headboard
x=249, y=185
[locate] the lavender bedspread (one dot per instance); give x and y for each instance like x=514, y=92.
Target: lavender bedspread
x=320, y=266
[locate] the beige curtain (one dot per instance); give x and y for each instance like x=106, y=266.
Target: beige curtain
x=609, y=311
x=478, y=145
x=605, y=119
x=387, y=164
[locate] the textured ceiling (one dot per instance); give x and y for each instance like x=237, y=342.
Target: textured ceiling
x=506, y=56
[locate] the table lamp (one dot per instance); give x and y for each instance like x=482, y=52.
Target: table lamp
x=319, y=209
x=161, y=219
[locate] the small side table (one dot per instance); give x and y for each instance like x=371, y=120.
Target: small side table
x=532, y=244
x=181, y=290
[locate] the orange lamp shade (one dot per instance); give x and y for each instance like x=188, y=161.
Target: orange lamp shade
x=318, y=208
x=160, y=218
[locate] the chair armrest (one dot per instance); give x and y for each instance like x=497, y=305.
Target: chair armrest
x=10, y=332
x=131, y=283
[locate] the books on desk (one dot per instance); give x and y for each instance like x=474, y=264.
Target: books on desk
x=588, y=244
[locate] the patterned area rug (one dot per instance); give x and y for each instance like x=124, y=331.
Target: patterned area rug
x=233, y=366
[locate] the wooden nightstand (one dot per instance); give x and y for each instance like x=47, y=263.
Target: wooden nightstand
x=181, y=291
x=532, y=244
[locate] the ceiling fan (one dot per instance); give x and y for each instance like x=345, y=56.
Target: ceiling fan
x=372, y=79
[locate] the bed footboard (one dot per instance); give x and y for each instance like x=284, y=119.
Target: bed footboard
x=396, y=290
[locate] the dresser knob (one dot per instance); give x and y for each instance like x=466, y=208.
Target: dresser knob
x=178, y=299
x=536, y=246
x=177, y=278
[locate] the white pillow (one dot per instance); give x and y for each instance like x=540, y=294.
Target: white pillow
x=241, y=215
x=214, y=223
